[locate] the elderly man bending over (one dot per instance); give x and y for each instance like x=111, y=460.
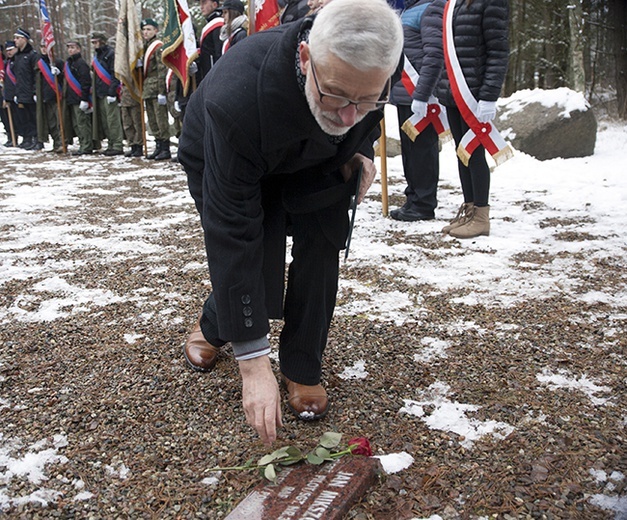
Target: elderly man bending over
x=271, y=143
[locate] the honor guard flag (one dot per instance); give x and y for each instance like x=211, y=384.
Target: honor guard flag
x=179, y=40
x=128, y=47
x=46, y=26
x=266, y=14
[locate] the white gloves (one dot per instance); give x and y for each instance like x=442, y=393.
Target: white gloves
x=162, y=99
x=84, y=106
x=177, y=106
x=111, y=99
x=15, y=99
x=419, y=108
x=55, y=71
x=486, y=111
x=139, y=64
x=193, y=68
x=35, y=98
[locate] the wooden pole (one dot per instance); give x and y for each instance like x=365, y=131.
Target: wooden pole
x=384, y=169
x=251, y=17
x=141, y=108
x=11, y=127
x=58, y=94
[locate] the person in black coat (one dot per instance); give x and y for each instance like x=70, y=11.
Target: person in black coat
x=106, y=115
x=210, y=43
x=422, y=27
x=24, y=67
x=8, y=93
x=270, y=144
x=76, y=92
x=49, y=82
x=480, y=35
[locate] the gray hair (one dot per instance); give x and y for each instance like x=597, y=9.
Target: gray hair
x=367, y=34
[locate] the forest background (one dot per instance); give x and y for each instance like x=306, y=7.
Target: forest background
x=579, y=44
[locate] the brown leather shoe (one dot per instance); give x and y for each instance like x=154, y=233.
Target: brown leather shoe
x=306, y=402
x=199, y=353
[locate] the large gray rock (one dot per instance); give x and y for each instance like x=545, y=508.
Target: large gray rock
x=548, y=123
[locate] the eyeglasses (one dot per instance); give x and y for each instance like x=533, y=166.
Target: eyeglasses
x=333, y=101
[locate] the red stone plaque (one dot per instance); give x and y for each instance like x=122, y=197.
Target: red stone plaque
x=308, y=492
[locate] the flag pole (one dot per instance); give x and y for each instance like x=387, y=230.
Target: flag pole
x=140, y=84
x=384, y=169
x=11, y=127
x=58, y=95
x=251, y=17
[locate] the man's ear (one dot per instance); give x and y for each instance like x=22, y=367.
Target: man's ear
x=303, y=54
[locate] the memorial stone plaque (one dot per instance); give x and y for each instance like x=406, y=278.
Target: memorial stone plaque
x=308, y=492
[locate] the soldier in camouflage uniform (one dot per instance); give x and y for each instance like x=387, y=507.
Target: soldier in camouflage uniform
x=154, y=90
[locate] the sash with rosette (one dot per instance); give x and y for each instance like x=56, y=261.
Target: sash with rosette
x=73, y=83
x=150, y=54
x=48, y=75
x=436, y=113
x=10, y=74
x=216, y=23
x=484, y=134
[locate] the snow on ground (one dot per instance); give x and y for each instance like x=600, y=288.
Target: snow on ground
x=587, y=195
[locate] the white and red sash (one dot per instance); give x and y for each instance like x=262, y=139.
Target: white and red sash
x=479, y=133
x=436, y=113
x=216, y=23
x=150, y=54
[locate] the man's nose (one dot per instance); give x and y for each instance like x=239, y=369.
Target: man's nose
x=348, y=114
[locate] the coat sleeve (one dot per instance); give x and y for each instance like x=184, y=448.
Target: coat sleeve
x=495, y=30
x=433, y=54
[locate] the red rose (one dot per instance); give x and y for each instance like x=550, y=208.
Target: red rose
x=360, y=446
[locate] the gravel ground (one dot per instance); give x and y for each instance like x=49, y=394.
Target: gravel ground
x=104, y=284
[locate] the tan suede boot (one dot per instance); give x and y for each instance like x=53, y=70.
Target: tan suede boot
x=464, y=214
x=478, y=225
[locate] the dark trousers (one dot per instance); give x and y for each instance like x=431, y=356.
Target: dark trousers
x=26, y=114
x=311, y=290
x=421, y=165
x=475, y=178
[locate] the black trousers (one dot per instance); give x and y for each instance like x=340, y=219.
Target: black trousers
x=312, y=282
x=475, y=178
x=26, y=114
x=421, y=165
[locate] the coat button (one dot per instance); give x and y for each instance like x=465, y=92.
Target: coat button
x=248, y=323
x=247, y=311
x=246, y=299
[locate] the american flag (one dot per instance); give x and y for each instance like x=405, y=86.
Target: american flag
x=46, y=27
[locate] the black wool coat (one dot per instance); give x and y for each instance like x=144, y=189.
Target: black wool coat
x=80, y=70
x=106, y=57
x=24, y=67
x=252, y=150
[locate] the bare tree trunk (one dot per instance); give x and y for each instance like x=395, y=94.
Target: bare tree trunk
x=618, y=15
x=576, y=73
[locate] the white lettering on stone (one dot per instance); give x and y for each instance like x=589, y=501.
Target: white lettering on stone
x=320, y=505
x=311, y=486
x=290, y=512
x=341, y=479
x=286, y=492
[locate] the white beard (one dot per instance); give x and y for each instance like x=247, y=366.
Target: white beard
x=326, y=119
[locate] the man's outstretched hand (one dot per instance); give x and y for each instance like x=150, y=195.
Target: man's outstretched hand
x=260, y=397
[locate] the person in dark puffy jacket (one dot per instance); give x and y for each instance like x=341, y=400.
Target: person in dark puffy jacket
x=422, y=28
x=24, y=66
x=480, y=35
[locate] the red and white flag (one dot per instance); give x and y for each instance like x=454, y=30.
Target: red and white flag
x=266, y=14
x=179, y=40
x=46, y=26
